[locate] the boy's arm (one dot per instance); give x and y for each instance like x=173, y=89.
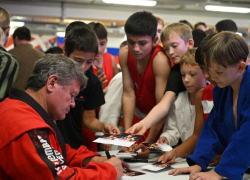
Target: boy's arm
x=128, y=96
x=161, y=68
x=93, y=124
x=114, y=65
x=187, y=147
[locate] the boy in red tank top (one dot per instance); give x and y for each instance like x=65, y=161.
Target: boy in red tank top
x=145, y=69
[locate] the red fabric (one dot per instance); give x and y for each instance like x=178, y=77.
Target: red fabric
x=26, y=139
x=89, y=136
x=136, y=120
x=207, y=95
x=144, y=85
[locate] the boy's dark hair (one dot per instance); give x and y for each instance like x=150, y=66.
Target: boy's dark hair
x=81, y=39
x=187, y=23
x=200, y=23
x=22, y=33
x=75, y=24
x=198, y=56
x=99, y=29
x=225, y=48
x=141, y=23
x=198, y=36
x=226, y=25
x=54, y=50
x=124, y=43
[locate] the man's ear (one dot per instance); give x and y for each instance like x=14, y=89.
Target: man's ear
x=52, y=80
x=190, y=44
x=241, y=66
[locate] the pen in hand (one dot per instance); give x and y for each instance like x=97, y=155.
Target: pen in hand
x=107, y=154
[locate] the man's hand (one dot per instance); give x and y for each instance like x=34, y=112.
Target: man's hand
x=110, y=129
x=206, y=176
x=117, y=163
x=137, y=128
x=162, y=140
x=102, y=78
x=191, y=170
x=168, y=157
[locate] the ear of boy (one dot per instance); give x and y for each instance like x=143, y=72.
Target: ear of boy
x=190, y=44
x=241, y=66
x=155, y=41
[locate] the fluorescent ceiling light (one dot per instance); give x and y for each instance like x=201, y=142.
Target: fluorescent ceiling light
x=16, y=24
x=131, y=2
x=227, y=9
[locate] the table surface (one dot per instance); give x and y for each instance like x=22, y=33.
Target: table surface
x=159, y=175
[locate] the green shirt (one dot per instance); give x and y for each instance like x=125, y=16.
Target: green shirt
x=8, y=72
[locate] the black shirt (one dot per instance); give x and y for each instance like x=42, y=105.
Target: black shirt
x=88, y=99
x=175, y=83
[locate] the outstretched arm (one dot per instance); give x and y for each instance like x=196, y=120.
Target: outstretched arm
x=128, y=96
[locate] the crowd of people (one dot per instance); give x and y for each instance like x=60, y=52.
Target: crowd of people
x=180, y=85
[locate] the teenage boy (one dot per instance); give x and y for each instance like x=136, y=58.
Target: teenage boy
x=176, y=39
x=102, y=59
x=227, y=126
x=81, y=45
x=145, y=70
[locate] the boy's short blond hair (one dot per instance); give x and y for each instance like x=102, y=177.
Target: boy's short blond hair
x=183, y=30
x=189, y=58
x=160, y=20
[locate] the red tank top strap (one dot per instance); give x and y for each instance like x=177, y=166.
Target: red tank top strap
x=107, y=67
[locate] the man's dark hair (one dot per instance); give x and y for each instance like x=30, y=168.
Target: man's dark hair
x=22, y=33
x=187, y=23
x=200, y=23
x=99, y=29
x=226, y=25
x=141, y=23
x=198, y=36
x=198, y=55
x=75, y=24
x=54, y=50
x=81, y=39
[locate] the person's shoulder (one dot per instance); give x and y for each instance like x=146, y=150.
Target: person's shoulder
x=123, y=54
x=92, y=78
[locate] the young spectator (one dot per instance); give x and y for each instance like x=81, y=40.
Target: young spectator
x=198, y=36
x=187, y=23
x=227, y=125
x=226, y=25
x=32, y=146
x=9, y=65
x=81, y=45
x=203, y=106
x=176, y=39
x=160, y=26
x=54, y=50
x=200, y=25
x=145, y=70
x=26, y=55
x=102, y=59
x=179, y=123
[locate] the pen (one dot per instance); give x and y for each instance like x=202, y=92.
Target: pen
x=107, y=154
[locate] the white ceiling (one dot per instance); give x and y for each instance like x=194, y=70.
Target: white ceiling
x=54, y=14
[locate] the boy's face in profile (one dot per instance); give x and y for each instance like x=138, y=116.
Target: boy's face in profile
x=85, y=59
x=102, y=43
x=175, y=47
x=140, y=46
x=158, y=32
x=192, y=77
